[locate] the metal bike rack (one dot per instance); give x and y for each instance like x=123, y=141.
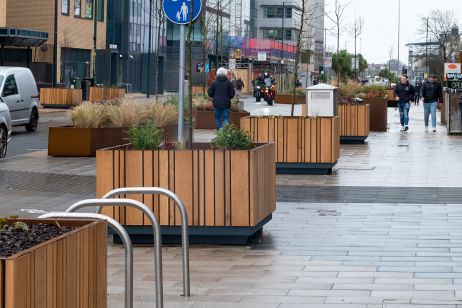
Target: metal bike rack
x=156, y=232
x=119, y=229
x=184, y=222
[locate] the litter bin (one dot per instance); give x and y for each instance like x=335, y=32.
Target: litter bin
x=76, y=83
x=85, y=89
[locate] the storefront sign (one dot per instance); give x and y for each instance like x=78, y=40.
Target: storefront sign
x=88, y=9
x=261, y=56
x=454, y=81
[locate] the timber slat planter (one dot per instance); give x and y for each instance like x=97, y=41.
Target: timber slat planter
x=67, y=271
x=229, y=195
x=206, y=119
x=354, y=122
x=283, y=98
x=98, y=94
x=60, y=98
x=303, y=144
x=378, y=113
x=83, y=142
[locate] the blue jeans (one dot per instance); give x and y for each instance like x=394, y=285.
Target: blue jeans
x=403, y=113
x=219, y=112
x=430, y=107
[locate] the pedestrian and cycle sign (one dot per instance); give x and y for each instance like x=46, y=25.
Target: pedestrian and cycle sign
x=178, y=11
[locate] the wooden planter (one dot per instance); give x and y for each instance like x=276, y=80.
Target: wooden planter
x=391, y=99
x=206, y=119
x=60, y=98
x=229, y=195
x=303, y=144
x=283, y=98
x=378, y=113
x=67, y=271
x=83, y=142
x=98, y=94
x=354, y=122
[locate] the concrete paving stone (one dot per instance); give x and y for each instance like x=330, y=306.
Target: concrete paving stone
x=292, y=299
x=433, y=295
x=374, y=286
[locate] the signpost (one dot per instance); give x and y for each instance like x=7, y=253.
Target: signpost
x=178, y=12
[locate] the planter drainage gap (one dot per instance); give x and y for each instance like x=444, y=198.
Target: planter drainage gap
x=184, y=222
x=119, y=229
x=156, y=232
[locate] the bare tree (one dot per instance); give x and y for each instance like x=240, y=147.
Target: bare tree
x=440, y=25
x=337, y=18
x=355, y=31
x=306, y=20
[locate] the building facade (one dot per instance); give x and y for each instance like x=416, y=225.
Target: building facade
x=74, y=40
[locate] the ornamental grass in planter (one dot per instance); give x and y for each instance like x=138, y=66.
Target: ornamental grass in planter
x=96, y=126
x=204, y=114
x=53, y=263
x=227, y=186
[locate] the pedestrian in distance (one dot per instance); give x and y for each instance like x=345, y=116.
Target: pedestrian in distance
x=222, y=92
x=431, y=94
x=404, y=95
x=417, y=88
x=239, y=86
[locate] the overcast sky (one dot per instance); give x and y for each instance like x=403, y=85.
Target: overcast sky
x=381, y=25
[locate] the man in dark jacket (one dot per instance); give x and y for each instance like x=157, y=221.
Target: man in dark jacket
x=430, y=93
x=221, y=91
x=404, y=94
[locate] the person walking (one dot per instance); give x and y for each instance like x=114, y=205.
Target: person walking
x=417, y=88
x=431, y=93
x=404, y=95
x=221, y=91
x=239, y=86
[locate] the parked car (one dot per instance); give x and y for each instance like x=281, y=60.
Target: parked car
x=5, y=127
x=19, y=91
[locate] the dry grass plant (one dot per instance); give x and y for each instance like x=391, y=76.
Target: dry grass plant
x=91, y=115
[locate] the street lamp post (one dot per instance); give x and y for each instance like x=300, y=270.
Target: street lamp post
x=148, y=77
x=55, y=44
x=399, y=32
x=95, y=30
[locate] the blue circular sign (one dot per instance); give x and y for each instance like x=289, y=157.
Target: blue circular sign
x=178, y=11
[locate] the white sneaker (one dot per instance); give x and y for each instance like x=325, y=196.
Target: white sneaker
x=426, y=128
x=402, y=129
x=406, y=128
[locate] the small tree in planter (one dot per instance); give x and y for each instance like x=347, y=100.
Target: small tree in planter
x=53, y=261
x=228, y=186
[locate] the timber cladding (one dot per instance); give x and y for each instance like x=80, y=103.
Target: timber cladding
x=98, y=94
x=298, y=139
x=68, y=97
x=68, y=271
x=354, y=120
x=219, y=188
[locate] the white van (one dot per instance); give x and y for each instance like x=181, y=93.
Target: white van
x=5, y=128
x=19, y=91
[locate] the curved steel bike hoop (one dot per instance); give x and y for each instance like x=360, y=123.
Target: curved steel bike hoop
x=125, y=240
x=184, y=222
x=156, y=232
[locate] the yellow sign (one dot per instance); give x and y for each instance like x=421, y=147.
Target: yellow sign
x=237, y=53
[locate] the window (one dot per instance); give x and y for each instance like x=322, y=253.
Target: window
x=88, y=9
x=276, y=34
x=288, y=35
x=65, y=7
x=278, y=12
x=10, y=87
x=100, y=4
x=77, y=10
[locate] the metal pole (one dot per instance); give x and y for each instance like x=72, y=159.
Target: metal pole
x=156, y=232
x=95, y=30
x=119, y=229
x=148, y=77
x=426, y=50
x=399, y=33
x=184, y=222
x=181, y=86
x=55, y=44
x=282, y=47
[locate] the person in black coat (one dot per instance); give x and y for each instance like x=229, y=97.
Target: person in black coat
x=430, y=93
x=221, y=91
x=404, y=94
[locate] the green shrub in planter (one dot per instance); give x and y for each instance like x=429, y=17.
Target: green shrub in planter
x=232, y=138
x=147, y=137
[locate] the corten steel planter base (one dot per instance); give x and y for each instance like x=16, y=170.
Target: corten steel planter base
x=83, y=142
x=378, y=113
x=354, y=123
x=284, y=98
x=206, y=119
x=67, y=271
x=303, y=145
x=227, y=194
